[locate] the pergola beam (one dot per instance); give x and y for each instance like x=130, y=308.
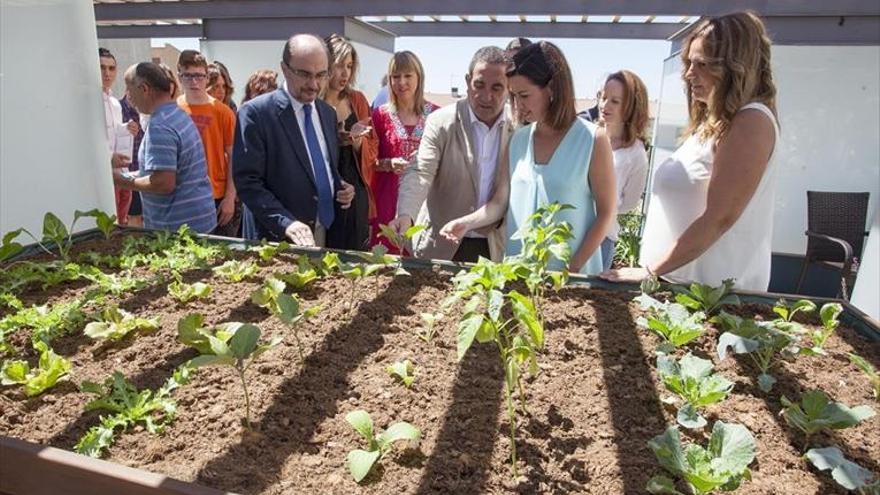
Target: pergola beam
x=227, y=9
x=638, y=31
x=150, y=31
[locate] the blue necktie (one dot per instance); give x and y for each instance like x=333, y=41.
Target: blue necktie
x=325, y=192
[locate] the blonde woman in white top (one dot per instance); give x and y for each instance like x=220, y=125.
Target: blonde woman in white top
x=710, y=216
x=623, y=110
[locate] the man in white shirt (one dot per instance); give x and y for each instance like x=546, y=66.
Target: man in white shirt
x=286, y=155
x=118, y=134
x=456, y=165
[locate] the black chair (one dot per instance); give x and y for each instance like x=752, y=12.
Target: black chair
x=835, y=233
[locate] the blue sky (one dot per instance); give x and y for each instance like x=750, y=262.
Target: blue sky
x=590, y=60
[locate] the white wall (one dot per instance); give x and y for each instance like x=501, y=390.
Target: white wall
x=243, y=58
x=53, y=154
x=866, y=293
x=127, y=53
x=829, y=111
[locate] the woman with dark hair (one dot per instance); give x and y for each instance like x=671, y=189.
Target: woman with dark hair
x=220, y=84
x=710, y=217
x=557, y=158
x=399, y=125
x=623, y=111
x=358, y=145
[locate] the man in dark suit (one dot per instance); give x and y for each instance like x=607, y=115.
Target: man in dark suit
x=286, y=154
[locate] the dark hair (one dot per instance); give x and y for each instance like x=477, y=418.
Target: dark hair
x=517, y=44
x=544, y=65
x=488, y=55
x=151, y=74
x=103, y=52
x=260, y=82
x=192, y=58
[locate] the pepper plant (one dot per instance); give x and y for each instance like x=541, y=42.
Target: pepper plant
x=691, y=378
x=361, y=462
x=486, y=319
x=130, y=406
x=233, y=344
x=763, y=342
x=431, y=320
x=400, y=241
x=283, y=306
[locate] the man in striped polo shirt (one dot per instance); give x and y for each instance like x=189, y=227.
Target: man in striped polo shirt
x=173, y=175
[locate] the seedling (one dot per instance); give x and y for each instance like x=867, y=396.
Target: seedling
x=112, y=283
x=869, y=371
x=304, y=274
x=155, y=410
x=48, y=323
x=431, y=320
x=629, y=240
x=10, y=248
x=115, y=324
x=763, y=342
x=544, y=244
x=361, y=462
x=105, y=223
x=706, y=298
x=816, y=412
x=829, y=315
x=403, y=370
x=329, y=263
x=267, y=295
x=400, y=241
x=354, y=272
x=229, y=344
x=672, y=322
x=56, y=232
x=235, y=271
x=692, y=379
x=289, y=312
x=268, y=251
x=722, y=464
x=184, y=293
x=377, y=259
x=518, y=339
x=846, y=473
x=787, y=311
x=52, y=368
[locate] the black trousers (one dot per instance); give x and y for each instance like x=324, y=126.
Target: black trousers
x=471, y=249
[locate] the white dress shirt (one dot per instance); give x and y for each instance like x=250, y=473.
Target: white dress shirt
x=486, y=143
x=113, y=125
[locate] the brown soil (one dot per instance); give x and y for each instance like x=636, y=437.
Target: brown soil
x=592, y=408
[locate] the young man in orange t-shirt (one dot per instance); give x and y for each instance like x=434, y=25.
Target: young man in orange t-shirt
x=216, y=124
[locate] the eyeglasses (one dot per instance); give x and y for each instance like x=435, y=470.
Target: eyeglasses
x=304, y=74
x=192, y=76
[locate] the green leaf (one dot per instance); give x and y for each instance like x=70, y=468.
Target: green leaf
x=689, y=417
x=360, y=462
x=829, y=314
x=525, y=313
x=845, y=472
x=212, y=360
x=415, y=229
x=660, y=485
x=9, y=248
x=52, y=369
x=402, y=370
x=396, y=432
x=732, y=447
x=740, y=345
x=467, y=330
x=53, y=228
x=191, y=332
x=765, y=382
x=15, y=372
x=816, y=412
x=361, y=422
x=244, y=341
x=667, y=449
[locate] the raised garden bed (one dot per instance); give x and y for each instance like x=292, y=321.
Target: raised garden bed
x=592, y=408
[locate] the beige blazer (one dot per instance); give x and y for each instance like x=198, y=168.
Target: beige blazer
x=444, y=182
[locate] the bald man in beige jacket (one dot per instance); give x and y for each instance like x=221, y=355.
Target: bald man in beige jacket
x=455, y=169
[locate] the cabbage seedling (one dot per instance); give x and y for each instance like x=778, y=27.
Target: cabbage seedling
x=723, y=464
x=829, y=315
x=816, y=412
x=763, y=342
x=361, y=462
x=846, y=473
x=692, y=379
x=671, y=322
x=403, y=370
x=431, y=320
x=52, y=368
x=705, y=298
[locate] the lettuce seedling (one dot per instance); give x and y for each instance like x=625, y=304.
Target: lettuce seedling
x=329, y=263
x=869, y=371
x=112, y=283
x=672, y=322
x=48, y=323
x=229, y=344
x=52, y=368
x=431, y=320
x=267, y=295
x=846, y=473
x=115, y=324
x=361, y=462
x=304, y=274
x=816, y=412
x=130, y=406
x=763, y=342
x=268, y=251
x=485, y=320
x=705, y=298
x=829, y=315
x=723, y=464
x=235, y=271
x=692, y=379
x=184, y=293
x=400, y=241
x=403, y=370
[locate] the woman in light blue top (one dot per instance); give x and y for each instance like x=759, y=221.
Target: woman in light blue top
x=558, y=158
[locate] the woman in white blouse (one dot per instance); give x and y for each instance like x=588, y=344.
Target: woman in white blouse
x=710, y=216
x=623, y=110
